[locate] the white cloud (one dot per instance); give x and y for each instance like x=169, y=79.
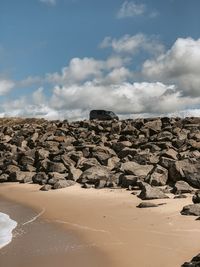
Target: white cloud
x=179, y=65
x=131, y=9
x=49, y=2
x=5, y=86
x=133, y=44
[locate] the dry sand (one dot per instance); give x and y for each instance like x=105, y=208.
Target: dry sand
x=108, y=222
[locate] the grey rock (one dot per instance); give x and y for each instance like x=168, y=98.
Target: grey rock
x=63, y=183
x=148, y=192
x=136, y=169
x=158, y=176
x=193, y=209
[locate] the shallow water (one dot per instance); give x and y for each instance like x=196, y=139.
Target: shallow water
x=7, y=225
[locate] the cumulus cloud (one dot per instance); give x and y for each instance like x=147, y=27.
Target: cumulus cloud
x=131, y=9
x=49, y=2
x=179, y=65
x=80, y=70
x=132, y=44
x=5, y=86
x=171, y=84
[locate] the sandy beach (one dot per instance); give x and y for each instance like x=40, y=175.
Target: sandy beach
x=104, y=226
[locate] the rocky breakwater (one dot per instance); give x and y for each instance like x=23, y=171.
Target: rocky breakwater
x=143, y=154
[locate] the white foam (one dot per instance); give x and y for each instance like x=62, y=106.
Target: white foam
x=7, y=225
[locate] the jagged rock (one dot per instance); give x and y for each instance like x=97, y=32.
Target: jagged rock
x=196, y=197
x=182, y=187
x=63, y=183
x=193, y=209
x=195, y=262
x=40, y=178
x=20, y=176
x=128, y=180
x=94, y=174
x=148, y=192
x=53, y=177
x=56, y=167
x=100, y=184
x=158, y=176
x=136, y=169
x=74, y=174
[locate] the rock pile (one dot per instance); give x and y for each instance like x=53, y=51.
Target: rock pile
x=143, y=153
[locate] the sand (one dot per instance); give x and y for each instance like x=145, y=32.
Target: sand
x=109, y=225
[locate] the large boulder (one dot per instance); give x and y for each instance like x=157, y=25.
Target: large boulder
x=94, y=174
x=133, y=168
x=148, y=192
x=185, y=170
x=182, y=187
x=158, y=176
x=128, y=180
x=193, y=209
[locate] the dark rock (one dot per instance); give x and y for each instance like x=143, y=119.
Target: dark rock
x=196, y=197
x=56, y=167
x=193, y=209
x=40, y=178
x=127, y=180
x=158, y=176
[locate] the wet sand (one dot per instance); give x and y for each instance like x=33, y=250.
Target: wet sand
x=39, y=242
x=114, y=231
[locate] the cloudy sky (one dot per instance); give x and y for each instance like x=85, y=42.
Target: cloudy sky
x=62, y=58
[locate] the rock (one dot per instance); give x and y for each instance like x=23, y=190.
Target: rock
x=63, y=183
x=195, y=262
x=20, y=176
x=182, y=187
x=127, y=180
x=56, y=167
x=100, y=184
x=136, y=169
x=196, y=197
x=170, y=153
x=94, y=174
x=147, y=205
x=193, y=209
x=4, y=178
x=53, y=177
x=87, y=186
x=74, y=174
x=46, y=187
x=148, y=192
x=40, y=178
x=158, y=176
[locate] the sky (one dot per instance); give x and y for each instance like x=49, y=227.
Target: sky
x=61, y=58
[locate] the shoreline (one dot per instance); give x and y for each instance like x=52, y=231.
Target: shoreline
x=40, y=242
x=109, y=221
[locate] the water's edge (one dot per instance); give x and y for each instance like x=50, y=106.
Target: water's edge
x=7, y=225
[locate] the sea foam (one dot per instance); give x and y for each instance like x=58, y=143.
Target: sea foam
x=6, y=227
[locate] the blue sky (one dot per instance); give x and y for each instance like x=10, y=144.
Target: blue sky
x=61, y=58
